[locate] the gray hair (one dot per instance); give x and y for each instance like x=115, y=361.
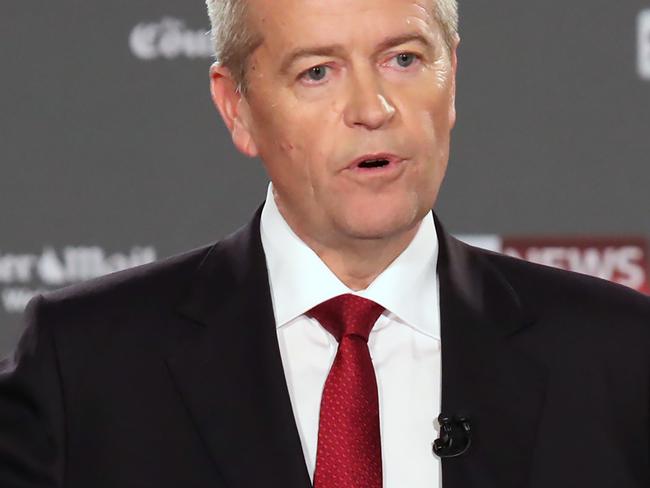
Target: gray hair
x=234, y=41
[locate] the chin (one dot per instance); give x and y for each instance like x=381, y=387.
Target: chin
x=380, y=223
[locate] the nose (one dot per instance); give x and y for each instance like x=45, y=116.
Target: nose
x=368, y=105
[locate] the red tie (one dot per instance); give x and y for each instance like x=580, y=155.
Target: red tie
x=349, y=447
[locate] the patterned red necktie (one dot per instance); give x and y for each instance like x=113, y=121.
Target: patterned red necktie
x=349, y=448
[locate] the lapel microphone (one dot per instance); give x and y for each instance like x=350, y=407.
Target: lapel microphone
x=455, y=436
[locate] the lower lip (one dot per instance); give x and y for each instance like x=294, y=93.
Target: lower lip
x=392, y=170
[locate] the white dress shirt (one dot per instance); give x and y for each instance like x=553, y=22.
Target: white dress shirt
x=404, y=344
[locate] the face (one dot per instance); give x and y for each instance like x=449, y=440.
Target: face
x=337, y=83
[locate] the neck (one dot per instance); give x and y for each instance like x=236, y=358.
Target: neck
x=355, y=261
x=358, y=264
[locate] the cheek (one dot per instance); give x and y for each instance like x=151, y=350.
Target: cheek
x=284, y=125
x=272, y=129
x=426, y=129
x=436, y=120
x=304, y=136
x=293, y=153
x=429, y=128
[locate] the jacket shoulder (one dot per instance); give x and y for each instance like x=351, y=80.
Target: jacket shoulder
x=550, y=290
x=145, y=290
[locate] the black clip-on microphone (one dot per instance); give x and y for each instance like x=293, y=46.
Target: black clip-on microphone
x=455, y=436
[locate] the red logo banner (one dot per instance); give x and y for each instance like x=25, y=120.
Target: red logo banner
x=622, y=260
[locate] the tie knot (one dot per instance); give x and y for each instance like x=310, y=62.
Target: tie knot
x=346, y=315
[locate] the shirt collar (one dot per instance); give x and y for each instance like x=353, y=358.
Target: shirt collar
x=300, y=280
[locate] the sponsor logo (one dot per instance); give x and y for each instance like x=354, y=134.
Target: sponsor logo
x=643, y=32
x=169, y=38
x=24, y=275
x=621, y=260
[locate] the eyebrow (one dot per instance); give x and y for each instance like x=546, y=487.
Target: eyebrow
x=337, y=49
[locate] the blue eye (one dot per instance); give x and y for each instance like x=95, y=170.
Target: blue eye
x=317, y=73
x=405, y=59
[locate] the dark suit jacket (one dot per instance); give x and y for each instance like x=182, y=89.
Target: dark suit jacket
x=169, y=375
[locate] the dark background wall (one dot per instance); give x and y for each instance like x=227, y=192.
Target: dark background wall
x=112, y=153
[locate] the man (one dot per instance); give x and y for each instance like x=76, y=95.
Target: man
x=319, y=343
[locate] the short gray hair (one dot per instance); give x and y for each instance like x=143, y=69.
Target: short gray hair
x=234, y=41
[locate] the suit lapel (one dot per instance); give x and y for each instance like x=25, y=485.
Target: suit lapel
x=483, y=373
x=230, y=374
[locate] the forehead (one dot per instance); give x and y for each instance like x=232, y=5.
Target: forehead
x=285, y=24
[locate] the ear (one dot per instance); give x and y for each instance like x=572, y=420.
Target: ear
x=234, y=109
x=454, y=69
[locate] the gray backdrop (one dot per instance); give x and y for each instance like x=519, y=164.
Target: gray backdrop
x=113, y=155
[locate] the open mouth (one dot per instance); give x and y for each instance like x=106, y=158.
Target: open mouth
x=374, y=163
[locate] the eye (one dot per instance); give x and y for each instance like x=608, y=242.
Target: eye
x=406, y=59
x=316, y=73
